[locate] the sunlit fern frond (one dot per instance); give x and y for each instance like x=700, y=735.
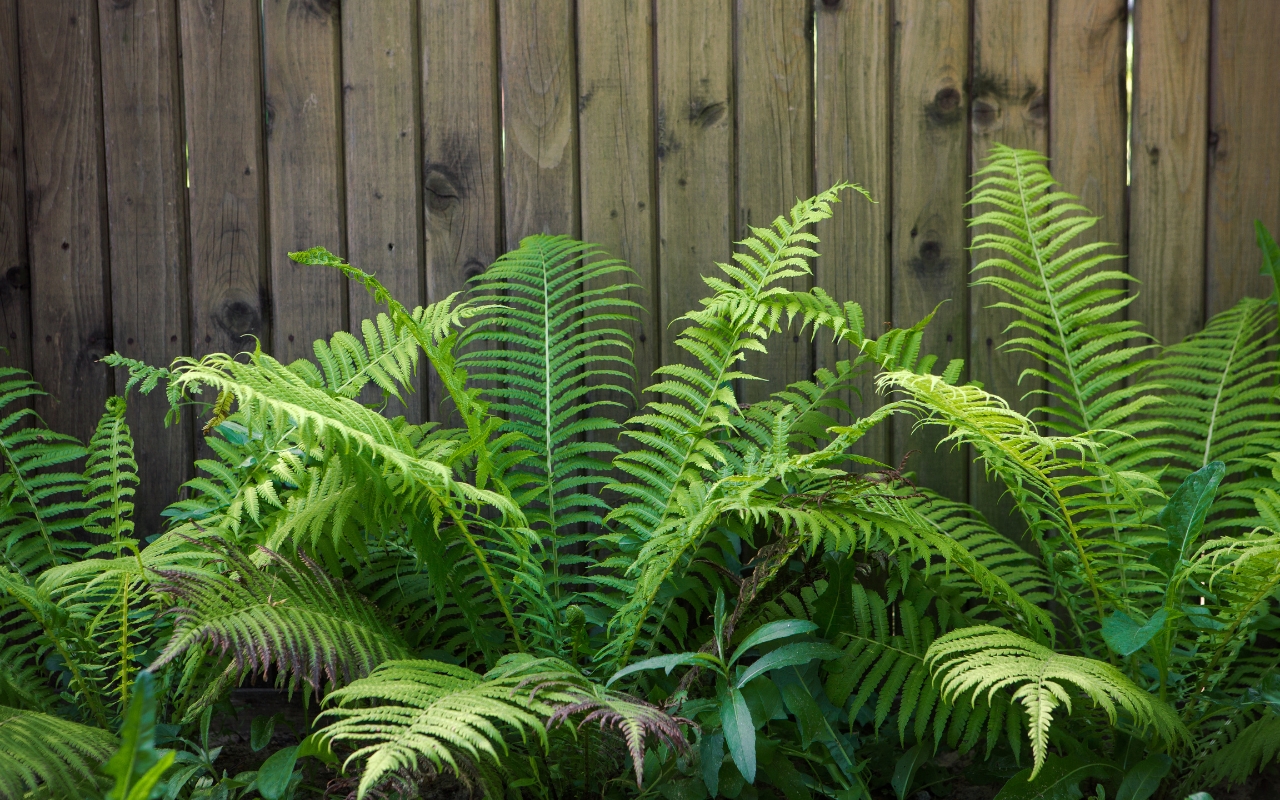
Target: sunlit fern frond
x=1060, y=487
x=41, y=505
x=982, y=661
x=1219, y=388
x=49, y=756
x=410, y=714
x=552, y=354
x=312, y=628
x=111, y=476
x=1066, y=298
x=676, y=435
x=884, y=664
x=387, y=358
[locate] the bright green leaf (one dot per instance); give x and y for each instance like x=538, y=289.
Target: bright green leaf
x=1125, y=636
x=739, y=733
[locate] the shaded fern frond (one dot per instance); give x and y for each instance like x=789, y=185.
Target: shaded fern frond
x=1219, y=388
x=40, y=752
x=111, y=475
x=1066, y=298
x=633, y=718
x=983, y=660
x=297, y=618
x=552, y=356
x=41, y=505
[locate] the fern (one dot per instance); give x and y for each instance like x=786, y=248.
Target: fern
x=40, y=502
x=1065, y=297
x=983, y=659
x=298, y=619
x=430, y=713
x=111, y=476
x=675, y=435
x=40, y=752
x=554, y=346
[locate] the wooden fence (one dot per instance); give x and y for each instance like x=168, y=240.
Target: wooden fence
x=158, y=158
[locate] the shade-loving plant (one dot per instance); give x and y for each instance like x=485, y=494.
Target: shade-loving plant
x=713, y=598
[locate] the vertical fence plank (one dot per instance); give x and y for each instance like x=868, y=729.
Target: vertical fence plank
x=774, y=75
x=1009, y=104
x=539, y=104
x=1169, y=140
x=1087, y=115
x=304, y=170
x=222, y=105
x=15, y=275
x=695, y=155
x=930, y=173
x=62, y=126
x=615, y=69
x=384, y=215
x=852, y=144
x=1244, y=148
x=462, y=196
x=146, y=202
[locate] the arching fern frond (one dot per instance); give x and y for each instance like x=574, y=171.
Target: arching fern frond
x=410, y=712
x=44, y=753
x=676, y=434
x=983, y=660
x=1066, y=298
x=295, y=617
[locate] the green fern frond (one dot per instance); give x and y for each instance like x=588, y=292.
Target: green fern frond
x=410, y=712
x=1220, y=404
x=986, y=660
x=311, y=627
x=40, y=502
x=387, y=358
x=676, y=435
x=1066, y=298
x=552, y=357
x=111, y=476
x=635, y=719
x=43, y=753
x=1250, y=751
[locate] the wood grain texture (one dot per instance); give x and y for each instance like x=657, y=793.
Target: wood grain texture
x=384, y=198
x=1087, y=115
x=930, y=175
x=462, y=195
x=852, y=143
x=226, y=190
x=66, y=212
x=774, y=77
x=1169, y=166
x=695, y=155
x=302, y=60
x=15, y=273
x=615, y=118
x=1244, y=148
x=1009, y=104
x=539, y=105
x=146, y=203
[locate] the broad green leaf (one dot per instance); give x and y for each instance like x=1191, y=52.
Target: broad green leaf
x=260, y=731
x=317, y=748
x=904, y=772
x=710, y=758
x=275, y=773
x=668, y=663
x=1142, y=781
x=739, y=732
x=1125, y=636
x=1186, y=510
x=789, y=656
x=771, y=631
x=1059, y=779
